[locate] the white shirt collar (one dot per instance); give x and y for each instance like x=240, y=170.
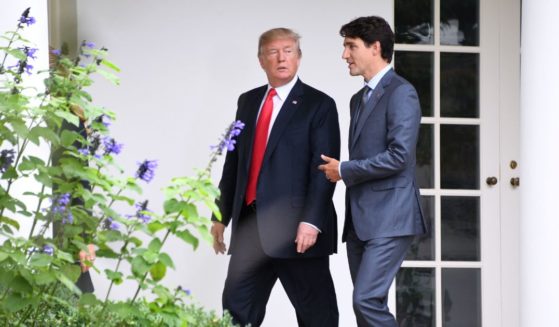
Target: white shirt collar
x=283, y=91
x=376, y=79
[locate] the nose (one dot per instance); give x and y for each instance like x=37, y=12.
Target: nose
x=281, y=56
x=345, y=54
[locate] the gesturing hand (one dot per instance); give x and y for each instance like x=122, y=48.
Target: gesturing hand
x=330, y=168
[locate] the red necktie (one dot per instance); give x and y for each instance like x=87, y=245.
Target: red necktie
x=259, y=146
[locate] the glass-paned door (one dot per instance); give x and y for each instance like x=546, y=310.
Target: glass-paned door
x=440, y=49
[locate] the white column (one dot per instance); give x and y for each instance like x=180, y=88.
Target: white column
x=539, y=229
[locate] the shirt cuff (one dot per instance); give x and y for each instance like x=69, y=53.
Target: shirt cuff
x=313, y=226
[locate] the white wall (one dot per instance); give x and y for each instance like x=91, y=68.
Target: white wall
x=184, y=63
x=37, y=34
x=539, y=155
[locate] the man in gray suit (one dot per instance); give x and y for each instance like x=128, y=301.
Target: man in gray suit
x=383, y=210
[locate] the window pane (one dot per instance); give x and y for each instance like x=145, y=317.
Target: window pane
x=414, y=21
x=461, y=297
x=460, y=228
x=460, y=85
x=460, y=22
x=423, y=247
x=417, y=68
x=460, y=156
x=425, y=170
x=415, y=297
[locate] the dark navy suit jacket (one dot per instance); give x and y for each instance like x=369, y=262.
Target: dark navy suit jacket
x=290, y=187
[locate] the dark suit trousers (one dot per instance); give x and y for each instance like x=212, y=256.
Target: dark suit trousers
x=373, y=264
x=252, y=275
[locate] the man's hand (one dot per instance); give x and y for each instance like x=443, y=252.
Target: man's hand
x=330, y=168
x=306, y=237
x=87, y=258
x=217, y=233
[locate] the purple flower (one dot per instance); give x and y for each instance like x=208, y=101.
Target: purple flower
x=111, y=146
x=146, y=170
x=83, y=151
x=47, y=249
x=185, y=290
x=28, y=69
x=22, y=66
x=141, y=208
x=69, y=218
x=90, y=45
x=56, y=52
x=111, y=224
x=227, y=141
x=30, y=52
x=106, y=120
x=26, y=19
x=6, y=159
x=61, y=207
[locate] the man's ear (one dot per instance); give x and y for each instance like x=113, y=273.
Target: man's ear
x=375, y=47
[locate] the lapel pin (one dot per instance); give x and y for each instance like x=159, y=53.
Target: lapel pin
x=294, y=101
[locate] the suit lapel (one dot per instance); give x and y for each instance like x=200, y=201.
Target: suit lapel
x=289, y=108
x=251, y=114
x=378, y=92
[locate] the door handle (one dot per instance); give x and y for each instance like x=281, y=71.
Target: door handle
x=491, y=181
x=515, y=182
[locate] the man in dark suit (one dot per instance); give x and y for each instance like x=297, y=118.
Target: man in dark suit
x=280, y=205
x=382, y=200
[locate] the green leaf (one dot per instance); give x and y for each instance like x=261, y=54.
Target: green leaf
x=158, y=271
x=171, y=205
x=46, y=133
x=20, y=128
x=115, y=276
x=109, y=64
x=65, y=256
x=112, y=78
x=15, y=302
x=71, y=271
x=10, y=222
x=166, y=260
x=139, y=266
x=3, y=256
x=68, y=138
x=155, y=245
x=155, y=226
x=187, y=236
x=136, y=241
x=21, y=285
x=69, y=283
x=18, y=54
x=69, y=117
x=44, y=277
x=88, y=299
x=150, y=257
x=40, y=260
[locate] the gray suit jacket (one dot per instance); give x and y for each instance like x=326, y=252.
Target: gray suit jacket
x=382, y=197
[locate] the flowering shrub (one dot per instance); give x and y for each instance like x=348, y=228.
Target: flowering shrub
x=79, y=187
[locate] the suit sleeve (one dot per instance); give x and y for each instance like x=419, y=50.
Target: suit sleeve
x=228, y=182
x=325, y=139
x=403, y=121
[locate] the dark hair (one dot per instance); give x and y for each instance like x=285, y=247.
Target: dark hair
x=371, y=29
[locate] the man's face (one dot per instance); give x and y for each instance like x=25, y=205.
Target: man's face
x=361, y=59
x=280, y=60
